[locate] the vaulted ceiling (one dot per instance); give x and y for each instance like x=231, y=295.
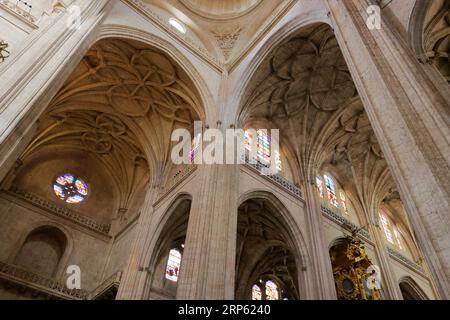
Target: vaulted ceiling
x=111, y=124
x=305, y=89
x=264, y=250
x=222, y=28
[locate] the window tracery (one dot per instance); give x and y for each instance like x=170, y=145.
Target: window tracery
x=263, y=147
x=335, y=196
x=270, y=292
x=70, y=189
x=391, y=232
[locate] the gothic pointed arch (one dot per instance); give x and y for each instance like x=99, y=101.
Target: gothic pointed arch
x=165, y=260
x=269, y=248
x=411, y=290
x=110, y=125
x=429, y=34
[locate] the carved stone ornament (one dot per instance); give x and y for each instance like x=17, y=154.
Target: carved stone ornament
x=4, y=53
x=227, y=40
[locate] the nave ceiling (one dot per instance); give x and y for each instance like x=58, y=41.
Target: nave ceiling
x=305, y=89
x=115, y=115
x=222, y=28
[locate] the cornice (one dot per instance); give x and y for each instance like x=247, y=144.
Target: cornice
x=19, y=13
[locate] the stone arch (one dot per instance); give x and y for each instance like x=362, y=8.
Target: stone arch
x=170, y=234
x=44, y=249
x=411, y=290
x=106, y=31
x=285, y=32
x=336, y=241
x=416, y=27
x=429, y=34
x=149, y=158
x=293, y=243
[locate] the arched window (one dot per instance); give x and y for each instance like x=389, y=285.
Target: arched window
x=398, y=238
x=343, y=201
x=256, y=293
x=70, y=189
x=194, y=147
x=272, y=291
x=319, y=186
x=266, y=290
x=173, y=265
x=387, y=227
x=336, y=196
x=331, y=190
x=263, y=146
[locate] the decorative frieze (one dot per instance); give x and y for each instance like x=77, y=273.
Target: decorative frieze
x=60, y=211
x=13, y=8
x=398, y=256
x=227, y=40
x=340, y=220
x=277, y=180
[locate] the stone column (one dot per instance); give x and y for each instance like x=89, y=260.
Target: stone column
x=389, y=284
x=133, y=281
x=324, y=287
x=32, y=76
x=411, y=121
x=208, y=264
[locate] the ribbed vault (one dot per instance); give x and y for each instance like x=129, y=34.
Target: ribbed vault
x=117, y=111
x=304, y=88
x=264, y=250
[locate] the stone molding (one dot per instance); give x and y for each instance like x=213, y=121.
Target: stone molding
x=180, y=176
x=21, y=14
x=340, y=220
x=186, y=40
x=274, y=17
x=111, y=282
x=66, y=213
x=37, y=282
x=405, y=261
x=278, y=180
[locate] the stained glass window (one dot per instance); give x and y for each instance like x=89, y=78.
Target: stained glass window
x=70, y=189
x=278, y=160
x=398, y=238
x=256, y=293
x=343, y=201
x=331, y=191
x=319, y=186
x=263, y=146
x=248, y=140
x=272, y=291
x=173, y=265
x=194, y=147
x=387, y=228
